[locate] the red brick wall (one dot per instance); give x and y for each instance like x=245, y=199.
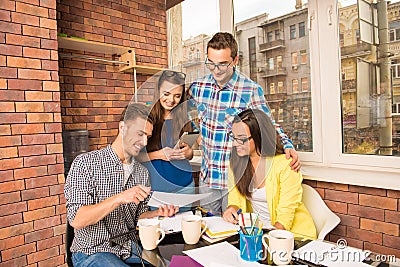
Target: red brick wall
x=93, y=94
x=370, y=217
x=31, y=161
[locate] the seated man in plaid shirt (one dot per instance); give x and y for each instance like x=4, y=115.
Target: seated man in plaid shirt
x=107, y=191
x=219, y=97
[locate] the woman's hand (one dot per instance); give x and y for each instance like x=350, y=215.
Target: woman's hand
x=230, y=215
x=186, y=150
x=172, y=154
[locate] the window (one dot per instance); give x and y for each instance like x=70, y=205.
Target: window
x=341, y=38
x=279, y=62
x=269, y=37
x=281, y=89
x=304, y=84
x=302, y=29
x=292, y=31
x=396, y=70
x=295, y=59
x=271, y=63
x=303, y=56
x=277, y=35
x=394, y=31
x=253, y=58
x=295, y=85
x=272, y=88
x=280, y=115
x=396, y=108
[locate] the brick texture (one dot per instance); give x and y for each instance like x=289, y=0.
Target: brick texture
x=29, y=103
x=369, y=216
x=42, y=93
x=93, y=94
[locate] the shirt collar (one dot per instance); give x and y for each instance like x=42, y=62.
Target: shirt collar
x=230, y=84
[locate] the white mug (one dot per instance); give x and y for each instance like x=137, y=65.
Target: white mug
x=191, y=228
x=281, y=245
x=150, y=233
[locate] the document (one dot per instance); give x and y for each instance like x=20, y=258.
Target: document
x=162, y=198
x=173, y=224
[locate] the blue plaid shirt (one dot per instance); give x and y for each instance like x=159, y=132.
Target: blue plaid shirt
x=217, y=107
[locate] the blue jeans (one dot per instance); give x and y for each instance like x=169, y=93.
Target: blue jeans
x=103, y=259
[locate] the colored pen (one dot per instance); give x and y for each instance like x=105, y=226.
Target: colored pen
x=234, y=218
x=243, y=220
x=252, y=227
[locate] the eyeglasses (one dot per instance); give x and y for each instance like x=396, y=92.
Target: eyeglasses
x=171, y=73
x=240, y=141
x=221, y=67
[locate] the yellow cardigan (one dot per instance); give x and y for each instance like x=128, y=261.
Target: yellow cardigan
x=284, y=195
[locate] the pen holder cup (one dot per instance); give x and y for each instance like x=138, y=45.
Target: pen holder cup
x=251, y=245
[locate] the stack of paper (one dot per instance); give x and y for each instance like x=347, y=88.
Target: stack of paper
x=218, y=229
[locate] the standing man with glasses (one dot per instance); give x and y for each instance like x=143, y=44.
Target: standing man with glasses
x=219, y=97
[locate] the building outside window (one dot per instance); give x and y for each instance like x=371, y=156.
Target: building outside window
x=253, y=58
x=277, y=35
x=272, y=88
x=303, y=57
x=304, y=84
x=269, y=37
x=295, y=59
x=281, y=89
x=394, y=31
x=295, y=86
x=302, y=29
x=271, y=63
x=279, y=62
x=292, y=31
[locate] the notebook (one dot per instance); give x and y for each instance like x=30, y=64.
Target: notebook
x=217, y=227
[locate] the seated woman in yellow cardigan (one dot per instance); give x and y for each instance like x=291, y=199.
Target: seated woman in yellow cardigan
x=260, y=179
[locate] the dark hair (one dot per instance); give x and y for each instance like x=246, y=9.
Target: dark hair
x=264, y=135
x=135, y=110
x=222, y=40
x=179, y=114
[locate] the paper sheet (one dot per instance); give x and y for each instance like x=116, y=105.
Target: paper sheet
x=161, y=198
x=329, y=254
x=173, y=225
x=220, y=254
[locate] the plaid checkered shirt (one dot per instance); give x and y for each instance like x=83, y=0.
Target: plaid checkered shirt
x=94, y=177
x=217, y=107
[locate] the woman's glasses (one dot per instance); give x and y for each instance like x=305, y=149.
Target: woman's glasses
x=171, y=73
x=240, y=141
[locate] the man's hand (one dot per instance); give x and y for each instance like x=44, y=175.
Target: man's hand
x=135, y=194
x=295, y=164
x=167, y=210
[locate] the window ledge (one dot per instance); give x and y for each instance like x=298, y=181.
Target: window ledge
x=370, y=178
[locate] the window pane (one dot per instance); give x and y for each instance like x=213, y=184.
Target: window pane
x=275, y=39
x=369, y=123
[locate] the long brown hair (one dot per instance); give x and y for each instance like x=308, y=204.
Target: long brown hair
x=263, y=133
x=179, y=114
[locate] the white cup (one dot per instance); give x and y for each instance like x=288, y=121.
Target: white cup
x=191, y=228
x=281, y=245
x=150, y=233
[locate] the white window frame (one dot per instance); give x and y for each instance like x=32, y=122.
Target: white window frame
x=327, y=162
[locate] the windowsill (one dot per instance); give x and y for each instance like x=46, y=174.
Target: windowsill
x=369, y=178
